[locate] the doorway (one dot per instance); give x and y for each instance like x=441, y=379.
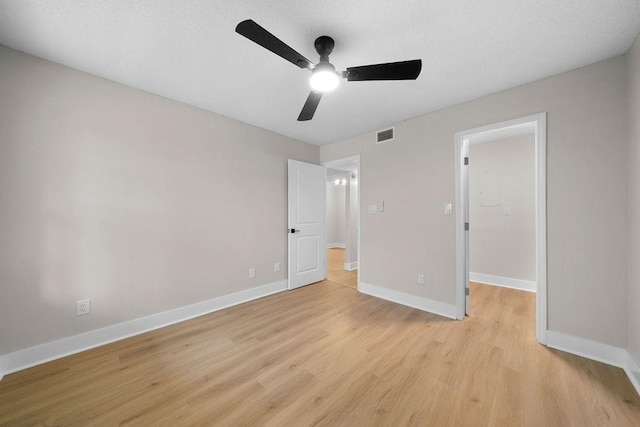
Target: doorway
x=537, y=124
x=502, y=208
x=343, y=221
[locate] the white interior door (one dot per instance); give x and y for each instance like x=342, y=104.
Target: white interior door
x=306, y=219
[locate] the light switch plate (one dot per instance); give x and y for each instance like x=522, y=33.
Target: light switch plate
x=448, y=208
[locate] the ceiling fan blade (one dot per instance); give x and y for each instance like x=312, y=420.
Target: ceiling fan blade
x=403, y=70
x=310, y=106
x=264, y=38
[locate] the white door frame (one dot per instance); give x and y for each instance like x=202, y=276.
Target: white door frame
x=336, y=164
x=539, y=121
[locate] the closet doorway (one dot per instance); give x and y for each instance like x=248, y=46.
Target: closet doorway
x=538, y=122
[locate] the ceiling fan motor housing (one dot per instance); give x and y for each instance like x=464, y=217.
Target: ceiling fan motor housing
x=324, y=46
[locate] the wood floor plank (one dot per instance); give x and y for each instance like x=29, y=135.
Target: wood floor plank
x=326, y=355
x=335, y=269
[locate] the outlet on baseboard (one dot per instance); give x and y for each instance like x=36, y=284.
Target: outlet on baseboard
x=420, y=279
x=83, y=307
x=252, y=273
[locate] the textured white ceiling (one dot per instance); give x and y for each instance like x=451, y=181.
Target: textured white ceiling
x=188, y=51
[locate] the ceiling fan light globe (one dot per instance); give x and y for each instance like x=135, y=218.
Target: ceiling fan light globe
x=324, y=78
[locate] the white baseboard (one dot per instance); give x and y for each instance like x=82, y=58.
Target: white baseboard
x=351, y=266
x=505, y=282
x=632, y=369
x=424, y=304
x=594, y=350
x=336, y=245
x=611, y=355
x=22, y=359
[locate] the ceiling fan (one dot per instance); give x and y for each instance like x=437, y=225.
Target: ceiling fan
x=323, y=74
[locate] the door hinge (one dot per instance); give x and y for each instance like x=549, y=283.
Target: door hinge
x=466, y=291
x=466, y=161
x=466, y=226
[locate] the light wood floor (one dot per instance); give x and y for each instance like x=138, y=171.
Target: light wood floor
x=327, y=355
x=335, y=269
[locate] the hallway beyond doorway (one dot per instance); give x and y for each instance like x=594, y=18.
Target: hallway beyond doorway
x=335, y=269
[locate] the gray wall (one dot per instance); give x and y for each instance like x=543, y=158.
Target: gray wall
x=138, y=202
x=586, y=196
x=503, y=245
x=634, y=198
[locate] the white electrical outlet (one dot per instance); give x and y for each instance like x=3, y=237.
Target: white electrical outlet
x=252, y=273
x=420, y=279
x=276, y=267
x=83, y=307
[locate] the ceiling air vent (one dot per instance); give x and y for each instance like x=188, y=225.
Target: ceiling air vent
x=384, y=135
